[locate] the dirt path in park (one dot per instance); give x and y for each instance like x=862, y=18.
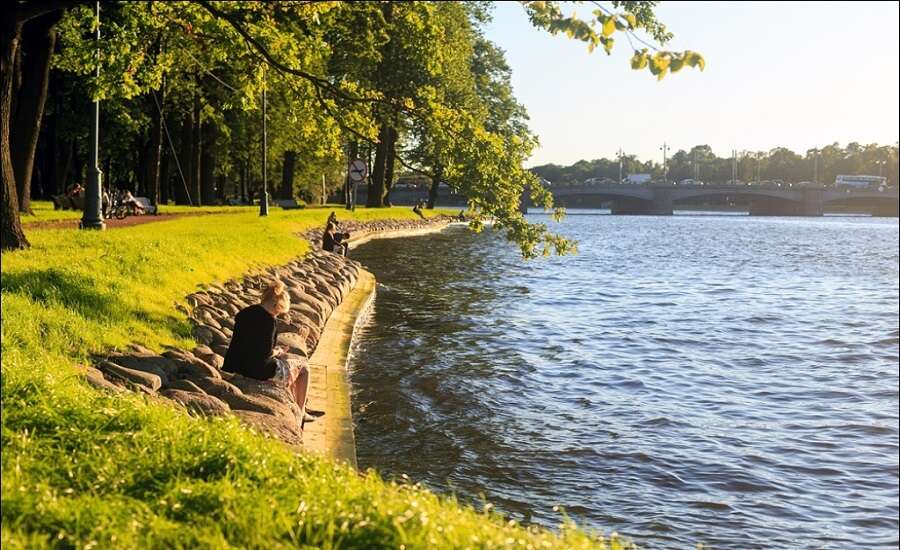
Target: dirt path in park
x=114, y=223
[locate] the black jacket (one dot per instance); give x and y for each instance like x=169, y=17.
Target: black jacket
x=252, y=343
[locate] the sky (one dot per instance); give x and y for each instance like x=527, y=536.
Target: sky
x=794, y=74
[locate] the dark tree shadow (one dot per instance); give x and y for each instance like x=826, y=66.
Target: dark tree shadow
x=54, y=286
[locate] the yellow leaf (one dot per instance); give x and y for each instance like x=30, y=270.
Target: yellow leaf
x=609, y=26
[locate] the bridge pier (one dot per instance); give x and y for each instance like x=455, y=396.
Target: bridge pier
x=886, y=209
x=660, y=205
x=810, y=204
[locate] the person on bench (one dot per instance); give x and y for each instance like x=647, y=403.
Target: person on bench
x=132, y=203
x=252, y=351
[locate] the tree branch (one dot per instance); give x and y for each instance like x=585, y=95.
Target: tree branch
x=317, y=81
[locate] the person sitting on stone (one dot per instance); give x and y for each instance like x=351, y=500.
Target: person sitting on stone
x=253, y=353
x=332, y=219
x=342, y=243
x=333, y=241
x=418, y=209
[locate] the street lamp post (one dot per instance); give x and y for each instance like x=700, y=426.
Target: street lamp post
x=696, y=167
x=816, y=166
x=92, y=218
x=880, y=164
x=620, y=154
x=757, y=169
x=665, y=149
x=734, y=167
x=264, y=200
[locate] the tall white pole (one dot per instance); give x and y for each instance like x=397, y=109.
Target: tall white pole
x=264, y=200
x=816, y=166
x=734, y=166
x=619, y=154
x=757, y=168
x=664, y=150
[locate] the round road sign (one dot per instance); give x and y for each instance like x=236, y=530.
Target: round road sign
x=359, y=170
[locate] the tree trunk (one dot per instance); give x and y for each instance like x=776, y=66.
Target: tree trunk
x=38, y=39
x=287, y=175
x=78, y=163
x=354, y=154
x=11, y=235
x=182, y=186
x=243, y=182
x=164, y=179
x=435, y=183
x=142, y=146
x=220, y=188
x=389, y=165
x=195, y=154
x=208, y=164
x=375, y=196
x=50, y=159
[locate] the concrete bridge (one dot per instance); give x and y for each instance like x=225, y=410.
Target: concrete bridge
x=761, y=201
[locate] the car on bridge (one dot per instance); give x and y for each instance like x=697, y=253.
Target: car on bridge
x=599, y=181
x=690, y=182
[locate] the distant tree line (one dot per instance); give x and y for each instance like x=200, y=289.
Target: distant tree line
x=777, y=164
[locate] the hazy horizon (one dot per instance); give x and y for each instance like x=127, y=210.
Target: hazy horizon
x=795, y=75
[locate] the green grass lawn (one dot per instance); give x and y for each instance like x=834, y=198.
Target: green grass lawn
x=42, y=211
x=84, y=469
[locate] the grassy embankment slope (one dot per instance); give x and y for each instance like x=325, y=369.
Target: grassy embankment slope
x=81, y=468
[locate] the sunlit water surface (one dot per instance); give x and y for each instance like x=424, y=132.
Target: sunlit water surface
x=719, y=379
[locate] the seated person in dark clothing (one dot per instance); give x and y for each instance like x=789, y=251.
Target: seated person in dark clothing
x=332, y=241
x=332, y=219
x=252, y=351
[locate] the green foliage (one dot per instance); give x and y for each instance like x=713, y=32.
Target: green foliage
x=340, y=72
x=636, y=16
x=82, y=468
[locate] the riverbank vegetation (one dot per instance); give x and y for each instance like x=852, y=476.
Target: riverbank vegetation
x=701, y=163
x=82, y=468
x=415, y=85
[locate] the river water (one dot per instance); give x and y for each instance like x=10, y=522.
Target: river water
x=699, y=378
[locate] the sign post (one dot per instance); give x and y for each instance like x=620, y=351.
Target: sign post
x=357, y=172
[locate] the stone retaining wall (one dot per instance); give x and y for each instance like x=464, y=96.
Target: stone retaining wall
x=317, y=282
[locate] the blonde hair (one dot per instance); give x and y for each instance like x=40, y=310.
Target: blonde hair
x=277, y=297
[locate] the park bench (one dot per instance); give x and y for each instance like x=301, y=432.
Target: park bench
x=62, y=202
x=288, y=204
x=145, y=202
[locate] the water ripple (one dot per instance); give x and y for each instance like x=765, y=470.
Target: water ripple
x=725, y=380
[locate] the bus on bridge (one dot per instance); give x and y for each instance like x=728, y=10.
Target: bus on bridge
x=860, y=182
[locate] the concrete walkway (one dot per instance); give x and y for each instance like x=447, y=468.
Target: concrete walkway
x=332, y=434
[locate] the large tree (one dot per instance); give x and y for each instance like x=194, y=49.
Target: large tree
x=375, y=74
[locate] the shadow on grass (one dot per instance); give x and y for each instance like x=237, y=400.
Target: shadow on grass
x=54, y=286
